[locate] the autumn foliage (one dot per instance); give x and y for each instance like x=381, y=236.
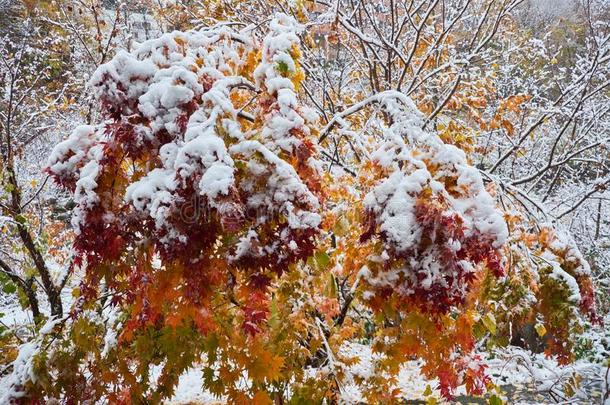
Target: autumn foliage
x=210, y=235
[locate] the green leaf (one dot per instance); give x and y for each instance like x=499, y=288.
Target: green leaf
x=322, y=259
x=282, y=68
x=331, y=286
x=274, y=320
x=21, y=219
x=495, y=400
x=490, y=323
x=9, y=288
x=212, y=343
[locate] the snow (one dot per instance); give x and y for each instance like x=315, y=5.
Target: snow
x=86, y=184
x=171, y=88
x=67, y=156
x=181, y=84
x=509, y=368
x=153, y=195
x=77, y=161
x=217, y=180
x=56, y=271
x=122, y=80
x=203, y=151
x=49, y=326
x=285, y=116
x=286, y=99
x=283, y=187
x=189, y=390
x=23, y=371
x=565, y=245
x=112, y=331
x=245, y=245
x=224, y=160
x=398, y=195
x=418, y=160
x=536, y=373
x=557, y=273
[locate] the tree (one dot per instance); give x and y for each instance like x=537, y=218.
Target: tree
x=221, y=222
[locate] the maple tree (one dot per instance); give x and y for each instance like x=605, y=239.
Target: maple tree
x=238, y=210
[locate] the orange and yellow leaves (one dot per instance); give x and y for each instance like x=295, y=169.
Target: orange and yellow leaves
x=508, y=110
x=252, y=59
x=263, y=366
x=458, y=135
x=513, y=103
x=261, y=398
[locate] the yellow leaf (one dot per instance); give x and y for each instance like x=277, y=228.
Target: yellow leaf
x=431, y=401
x=179, y=41
x=540, y=329
x=322, y=259
x=331, y=286
x=341, y=227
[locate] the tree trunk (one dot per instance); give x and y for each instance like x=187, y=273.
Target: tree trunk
x=51, y=291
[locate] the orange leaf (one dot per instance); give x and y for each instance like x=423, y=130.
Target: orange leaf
x=261, y=398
